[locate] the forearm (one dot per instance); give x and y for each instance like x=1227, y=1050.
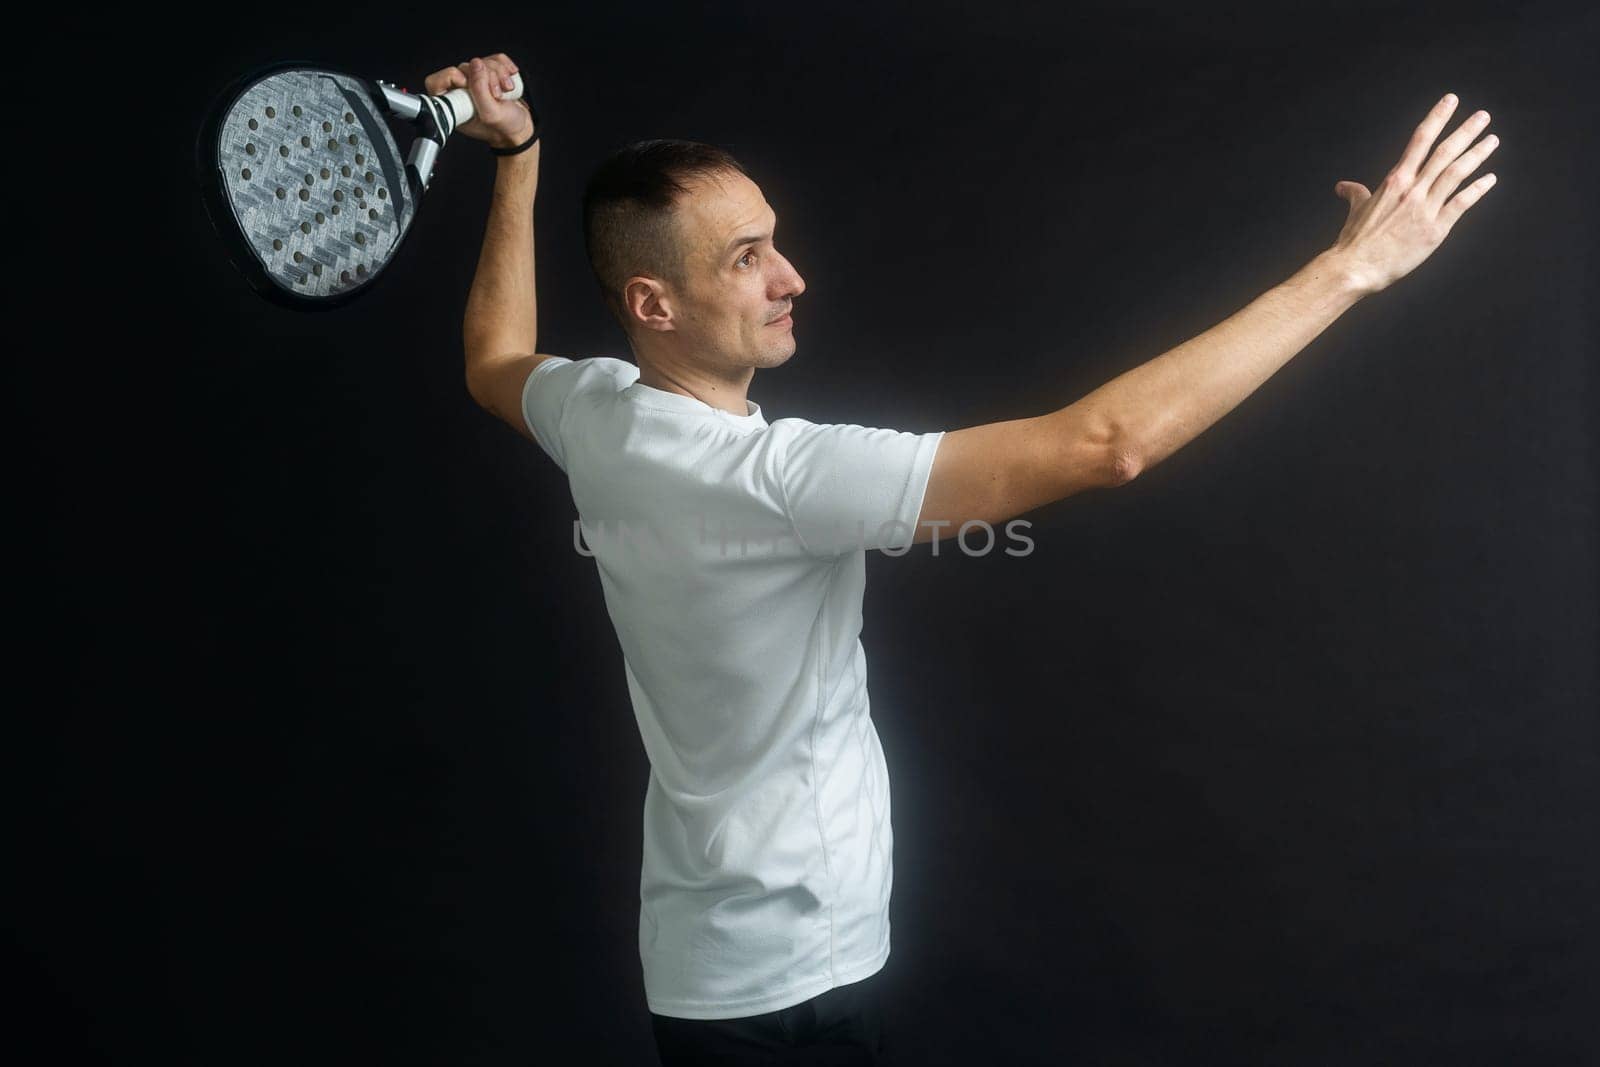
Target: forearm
x=1158, y=407
x=502, y=316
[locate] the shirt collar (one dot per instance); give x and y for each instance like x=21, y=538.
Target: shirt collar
x=650, y=396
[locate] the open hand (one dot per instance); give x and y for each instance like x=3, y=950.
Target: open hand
x=502, y=123
x=1391, y=231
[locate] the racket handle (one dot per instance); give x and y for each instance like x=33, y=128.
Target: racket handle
x=461, y=100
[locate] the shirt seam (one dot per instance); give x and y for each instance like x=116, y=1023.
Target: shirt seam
x=811, y=756
x=783, y=494
x=561, y=409
x=929, y=445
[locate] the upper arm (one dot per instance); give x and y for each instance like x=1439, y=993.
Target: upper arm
x=497, y=387
x=997, y=471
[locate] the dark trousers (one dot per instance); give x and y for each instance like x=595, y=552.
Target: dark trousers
x=837, y=1027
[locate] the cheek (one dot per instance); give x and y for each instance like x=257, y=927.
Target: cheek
x=750, y=310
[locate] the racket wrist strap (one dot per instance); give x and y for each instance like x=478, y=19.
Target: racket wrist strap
x=525, y=145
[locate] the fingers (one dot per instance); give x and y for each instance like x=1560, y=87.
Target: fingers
x=480, y=83
x=1451, y=147
x=441, y=81
x=499, y=68
x=1417, y=147
x=1446, y=183
x=506, y=65
x=1463, y=200
x=490, y=79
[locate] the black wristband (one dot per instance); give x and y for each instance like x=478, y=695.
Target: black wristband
x=525, y=145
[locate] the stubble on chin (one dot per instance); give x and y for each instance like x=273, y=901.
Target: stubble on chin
x=777, y=360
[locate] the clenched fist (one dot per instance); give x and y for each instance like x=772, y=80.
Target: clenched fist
x=502, y=123
x=1389, y=232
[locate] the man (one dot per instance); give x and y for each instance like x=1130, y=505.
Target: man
x=731, y=549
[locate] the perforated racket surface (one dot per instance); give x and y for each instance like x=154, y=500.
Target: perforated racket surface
x=303, y=179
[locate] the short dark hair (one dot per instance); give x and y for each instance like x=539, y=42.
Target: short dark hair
x=628, y=211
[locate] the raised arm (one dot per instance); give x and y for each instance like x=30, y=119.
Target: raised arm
x=501, y=325
x=1001, y=470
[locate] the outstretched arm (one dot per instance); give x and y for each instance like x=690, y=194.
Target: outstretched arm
x=1161, y=406
x=1133, y=422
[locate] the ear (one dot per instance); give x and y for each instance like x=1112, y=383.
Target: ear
x=648, y=304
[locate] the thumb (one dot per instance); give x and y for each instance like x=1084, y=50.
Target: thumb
x=1356, y=193
x=479, y=85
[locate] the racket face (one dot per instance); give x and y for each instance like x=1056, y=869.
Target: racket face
x=305, y=183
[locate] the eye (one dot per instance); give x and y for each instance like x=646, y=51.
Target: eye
x=746, y=256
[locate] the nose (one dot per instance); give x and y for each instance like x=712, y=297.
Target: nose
x=795, y=285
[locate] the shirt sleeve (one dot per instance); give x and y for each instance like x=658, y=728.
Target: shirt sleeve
x=548, y=394
x=847, y=487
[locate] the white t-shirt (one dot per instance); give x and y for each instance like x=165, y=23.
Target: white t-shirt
x=732, y=556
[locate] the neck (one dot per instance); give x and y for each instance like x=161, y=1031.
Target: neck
x=705, y=384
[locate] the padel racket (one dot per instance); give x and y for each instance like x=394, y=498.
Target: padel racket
x=302, y=178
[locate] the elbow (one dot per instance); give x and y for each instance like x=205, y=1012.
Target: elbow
x=1124, y=465
x=481, y=374
x=477, y=388
x=1117, y=461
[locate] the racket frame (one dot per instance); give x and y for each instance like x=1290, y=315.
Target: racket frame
x=432, y=116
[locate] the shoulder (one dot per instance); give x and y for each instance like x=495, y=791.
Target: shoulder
x=556, y=378
x=621, y=371
x=805, y=435
x=594, y=369
x=558, y=390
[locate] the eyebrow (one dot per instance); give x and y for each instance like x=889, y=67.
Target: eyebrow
x=749, y=238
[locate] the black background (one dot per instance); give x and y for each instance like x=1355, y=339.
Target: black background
x=1284, y=753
